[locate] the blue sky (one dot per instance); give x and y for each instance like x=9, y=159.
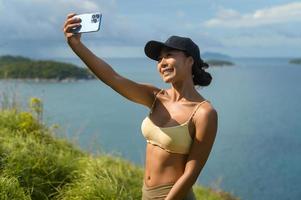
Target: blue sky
x=249, y=28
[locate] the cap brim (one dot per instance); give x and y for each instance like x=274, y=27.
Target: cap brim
x=153, y=48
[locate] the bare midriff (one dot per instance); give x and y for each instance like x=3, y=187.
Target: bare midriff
x=162, y=167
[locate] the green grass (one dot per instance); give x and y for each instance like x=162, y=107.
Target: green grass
x=37, y=164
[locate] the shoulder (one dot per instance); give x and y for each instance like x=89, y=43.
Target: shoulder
x=160, y=93
x=205, y=119
x=206, y=111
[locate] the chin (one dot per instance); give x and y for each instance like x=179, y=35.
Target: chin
x=168, y=79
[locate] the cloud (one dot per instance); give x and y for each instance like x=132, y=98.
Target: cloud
x=275, y=15
x=264, y=41
x=34, y=27
x=40, y=19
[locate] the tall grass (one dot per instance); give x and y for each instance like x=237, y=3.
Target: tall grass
x=36, y=164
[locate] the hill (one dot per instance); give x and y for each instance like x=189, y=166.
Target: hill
x=18, y=67
x=36, y=164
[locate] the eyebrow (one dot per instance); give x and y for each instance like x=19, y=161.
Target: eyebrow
x=168, y=51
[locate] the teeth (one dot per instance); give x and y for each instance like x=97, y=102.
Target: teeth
x=167, y=71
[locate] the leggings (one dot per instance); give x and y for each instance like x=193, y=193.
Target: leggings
x=160, y=192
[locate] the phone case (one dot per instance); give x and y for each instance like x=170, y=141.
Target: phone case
x=90, y=22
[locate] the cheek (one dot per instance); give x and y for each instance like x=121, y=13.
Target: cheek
x=158, y=68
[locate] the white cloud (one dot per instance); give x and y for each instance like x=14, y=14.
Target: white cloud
x=264, y=41
x=35, y=26
x=278, y=14
x=38, y=19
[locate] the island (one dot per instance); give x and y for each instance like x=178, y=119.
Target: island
x=215, y=59
x=18, y=67
x=216, y=62
x=296, y=61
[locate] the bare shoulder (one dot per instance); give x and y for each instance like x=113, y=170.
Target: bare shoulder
x=205, y=119
x=151, y=88
x=160, y=93
x=153, y=92
x=206, y=110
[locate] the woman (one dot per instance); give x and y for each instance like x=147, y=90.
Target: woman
x=181, y=126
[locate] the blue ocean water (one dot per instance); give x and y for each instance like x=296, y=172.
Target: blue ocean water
x=256, y=154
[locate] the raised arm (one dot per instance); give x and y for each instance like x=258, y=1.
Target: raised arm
x=136, y=92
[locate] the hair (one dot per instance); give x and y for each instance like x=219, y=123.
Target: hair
x=199, y=76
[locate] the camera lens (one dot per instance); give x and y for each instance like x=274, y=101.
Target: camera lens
x=97, y=15
x=93, y=16
x=94, y=20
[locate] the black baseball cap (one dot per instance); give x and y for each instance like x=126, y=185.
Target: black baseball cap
x=153, y=48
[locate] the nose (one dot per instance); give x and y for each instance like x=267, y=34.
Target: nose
x=162, y=62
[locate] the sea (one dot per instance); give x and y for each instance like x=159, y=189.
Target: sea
x=257, y=151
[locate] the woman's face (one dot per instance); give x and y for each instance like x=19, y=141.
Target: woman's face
x=174, y=65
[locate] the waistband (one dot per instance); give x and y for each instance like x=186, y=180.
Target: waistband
x=167, y=185
x=161, y=192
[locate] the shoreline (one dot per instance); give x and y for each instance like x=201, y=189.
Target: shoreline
x=45, y=80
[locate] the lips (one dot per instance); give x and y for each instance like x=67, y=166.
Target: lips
x=167, y=71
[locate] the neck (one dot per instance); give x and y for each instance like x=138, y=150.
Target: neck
x=182, y=90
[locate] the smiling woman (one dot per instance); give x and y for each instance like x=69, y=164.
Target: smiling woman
x=181, y=127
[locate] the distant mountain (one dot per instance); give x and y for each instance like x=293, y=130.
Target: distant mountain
x=215, y=56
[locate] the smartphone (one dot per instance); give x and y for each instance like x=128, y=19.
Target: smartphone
x=90, y=22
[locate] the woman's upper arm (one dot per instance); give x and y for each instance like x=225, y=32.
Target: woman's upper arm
x=205, y=132
x=137, y=92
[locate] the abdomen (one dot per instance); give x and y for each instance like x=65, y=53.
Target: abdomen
x=162, y=167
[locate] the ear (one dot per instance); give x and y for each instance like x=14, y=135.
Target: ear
x=190, y=61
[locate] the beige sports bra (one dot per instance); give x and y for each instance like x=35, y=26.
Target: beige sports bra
x=174, y=139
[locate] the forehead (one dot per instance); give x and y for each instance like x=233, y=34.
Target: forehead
x=168, y=50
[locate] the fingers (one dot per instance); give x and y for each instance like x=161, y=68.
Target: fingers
x=70, y=26
x=70, y=15
x=71, y=20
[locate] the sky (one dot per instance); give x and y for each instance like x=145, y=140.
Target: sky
x=248, y=28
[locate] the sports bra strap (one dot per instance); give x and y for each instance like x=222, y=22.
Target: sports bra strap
x=197, y=109
x=151, y=109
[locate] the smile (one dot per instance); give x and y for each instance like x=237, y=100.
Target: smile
x=167, y=71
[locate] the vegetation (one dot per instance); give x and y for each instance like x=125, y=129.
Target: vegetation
x=37, y=164
x=296, y=61
x=215, y=62
x=17, y=67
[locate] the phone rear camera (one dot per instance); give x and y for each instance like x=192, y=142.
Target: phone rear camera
x=97, y=15
x=94, y=20
x=93, y=16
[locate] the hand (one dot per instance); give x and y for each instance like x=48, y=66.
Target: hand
x=72, y=38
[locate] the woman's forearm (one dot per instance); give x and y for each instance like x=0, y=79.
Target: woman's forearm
x=181, y=188
x=98, y=66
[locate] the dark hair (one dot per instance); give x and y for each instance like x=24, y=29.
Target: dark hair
x=199, y=75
